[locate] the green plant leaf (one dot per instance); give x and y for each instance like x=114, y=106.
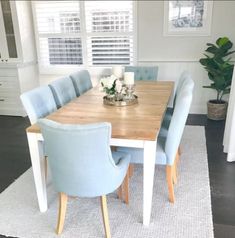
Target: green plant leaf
x=221, y=41
x=208, y=87
x=218, y=65
x=212, y=49
x=229, y=53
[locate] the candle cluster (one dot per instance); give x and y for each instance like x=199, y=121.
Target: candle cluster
x=128, y=76
x=119, y=86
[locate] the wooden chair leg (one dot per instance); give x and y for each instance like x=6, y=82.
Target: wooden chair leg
x=120, y=192
x=131, y=170
x=169, y=177
x=174, y=173
x=105, y=216
x=177, y=159
x=179, y=150
x=63, y=198
x=126, y=187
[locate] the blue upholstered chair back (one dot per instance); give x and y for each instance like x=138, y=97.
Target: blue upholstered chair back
x=178, y=120
x=80, y=158
x=142, y=72
x=182, y=80
x=81, y=81
x=63, y=90
x=38, y=103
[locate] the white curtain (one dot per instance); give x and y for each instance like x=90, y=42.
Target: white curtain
x=229, y=132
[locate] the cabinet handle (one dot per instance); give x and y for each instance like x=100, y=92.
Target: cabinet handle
x=2, y=100
x=0, y=84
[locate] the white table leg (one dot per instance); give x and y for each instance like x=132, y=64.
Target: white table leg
x=149, y=167
x=38, y=165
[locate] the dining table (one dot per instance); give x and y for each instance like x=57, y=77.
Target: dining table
x=135, y=126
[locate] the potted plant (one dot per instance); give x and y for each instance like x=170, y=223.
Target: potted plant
x=220, y=71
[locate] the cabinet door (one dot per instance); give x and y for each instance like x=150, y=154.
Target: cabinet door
x=9, y=29
x=3, y=45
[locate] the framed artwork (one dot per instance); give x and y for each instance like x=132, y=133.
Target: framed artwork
x=187, y=18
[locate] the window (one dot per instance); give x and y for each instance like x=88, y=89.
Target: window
x=64, y=51
x=109, y=27
x=90, y=33
x=58, y=28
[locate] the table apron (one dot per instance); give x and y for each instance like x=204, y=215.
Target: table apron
x=114, y=141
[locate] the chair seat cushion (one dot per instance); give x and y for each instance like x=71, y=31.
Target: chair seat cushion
x=137, y=153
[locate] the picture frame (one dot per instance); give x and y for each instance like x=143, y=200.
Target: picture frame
x=187, y=18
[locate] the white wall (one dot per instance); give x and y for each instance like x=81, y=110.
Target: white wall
x=175, y=54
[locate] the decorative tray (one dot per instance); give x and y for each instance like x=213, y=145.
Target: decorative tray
x=120, y=103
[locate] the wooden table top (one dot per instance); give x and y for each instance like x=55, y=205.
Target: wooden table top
x=141, y=121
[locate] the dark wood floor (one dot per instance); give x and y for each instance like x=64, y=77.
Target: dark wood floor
x=14, y=160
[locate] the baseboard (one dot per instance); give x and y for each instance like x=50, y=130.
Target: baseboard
x=13, y=112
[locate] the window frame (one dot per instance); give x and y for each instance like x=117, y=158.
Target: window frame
x=83, y=34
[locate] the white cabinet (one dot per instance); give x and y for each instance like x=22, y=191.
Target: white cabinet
x=18, y=67
x=7, y=34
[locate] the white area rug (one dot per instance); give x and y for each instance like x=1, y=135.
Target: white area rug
x=189, y=217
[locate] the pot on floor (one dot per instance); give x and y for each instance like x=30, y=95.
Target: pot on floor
x=217, y=110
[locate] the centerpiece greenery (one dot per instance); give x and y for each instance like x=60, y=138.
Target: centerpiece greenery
x=112, y=86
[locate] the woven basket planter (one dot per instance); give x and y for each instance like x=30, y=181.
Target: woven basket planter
x=216, y=111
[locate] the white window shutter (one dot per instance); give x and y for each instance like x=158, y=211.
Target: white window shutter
x=73, y=32
x=109, y=26
x=58, y=25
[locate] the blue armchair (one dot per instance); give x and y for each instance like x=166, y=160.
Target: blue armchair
x=143, y=72
x=167, y=145
x=38, y=103
x=63, y=91
x=82, y=163
x=81, y=81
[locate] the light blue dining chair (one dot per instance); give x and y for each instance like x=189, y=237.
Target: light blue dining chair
x=143, y=72
x=167, y=146
x=81, y=81
x=38, y=103
x=184, y=77
x=63, y=90
x=82, y=163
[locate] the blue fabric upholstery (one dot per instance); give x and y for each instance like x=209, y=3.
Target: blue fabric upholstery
x=80, y=158
x=137, y=153
x=38, y=103
x=63, y=90
x=143, y=73
x=168, y=144
x=178, y=120
x=81, y=81
x=184, y=77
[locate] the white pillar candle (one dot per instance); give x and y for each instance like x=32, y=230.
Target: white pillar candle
x=118, y=71
x=129, y=78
